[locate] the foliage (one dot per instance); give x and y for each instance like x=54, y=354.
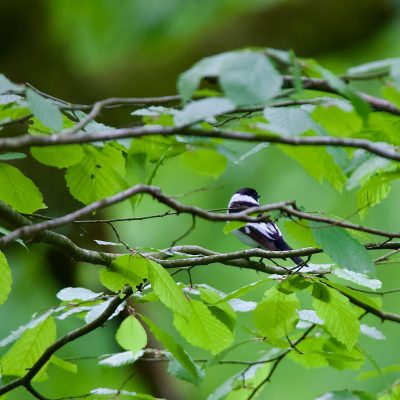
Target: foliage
x=346, y=138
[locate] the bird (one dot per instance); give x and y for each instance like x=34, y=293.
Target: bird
x=264, y=234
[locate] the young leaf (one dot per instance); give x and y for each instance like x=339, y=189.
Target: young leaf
x=276, y=315
x=22, y=194
x=126, y=269
x=58, y=156
x=131, y=335
x=201, y=328
x=242, y=291
x=246, y=77
x=358, y=278
x=167, y=290
x=100, y=174
x=233, y=225
x=301, y=232
x=363, y=376
x=343, y=248
x=319, y=163
x=63, y=364
x=76, y=293
x=341, y=357
x=338, y=314
x=44, y=110
x=171, y=345
x=310, y=354
x=205, y=161
x=5, y=278
x=120, y=359
x=175, y=368
x=28, y=348
x=203, y=109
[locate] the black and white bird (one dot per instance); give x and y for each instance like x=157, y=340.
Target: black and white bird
x=265, y=234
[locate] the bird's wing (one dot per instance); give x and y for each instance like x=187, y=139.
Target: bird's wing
x=266, y=234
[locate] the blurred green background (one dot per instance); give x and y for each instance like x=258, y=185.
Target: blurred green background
x=92, y=49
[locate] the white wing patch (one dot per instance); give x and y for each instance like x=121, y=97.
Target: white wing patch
x=269, y=230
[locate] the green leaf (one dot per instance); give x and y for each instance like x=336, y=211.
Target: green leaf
x=341, y=357
x=374, y=191
x=242, y=291
x=392, y=393
x=5, y=278
x=201, y=328
x=126, y=269
x=205, y=161
x=175, y=369
x=358, y=278
x=18, y=191
x=131, y=335
x=339, y=315
x=276, y=315
x=63, y=364
x=44, y=110
x=363, y=376
x=343, y=249
x=288, y=121
x=176, y=349
x=310, y=354
x=100, y=174
x=391, y=93
x=167, y=290
x=203, y=109
x=58, y=156
x=241, y=385
x=117, y=393
x=319, y=163
x=246, y=77
x=300, y=232
x=347, y=395
x=120, y=359
x=233, y=225
x=28, y=348
x=12, y=156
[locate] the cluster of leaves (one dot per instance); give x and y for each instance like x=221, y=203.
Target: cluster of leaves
x=243, y=94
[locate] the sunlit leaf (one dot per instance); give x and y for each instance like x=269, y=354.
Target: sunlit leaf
x=131, y=335
x=58, y=156
x=18, y=191
x=5, y=278
x=205, y=161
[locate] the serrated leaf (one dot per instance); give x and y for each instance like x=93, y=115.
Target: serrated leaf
x=120, y=359
x=126, y=269
x=5, y=278
x=203, y=109
x=341, y=357
x=343, y=249
x=338, y=314
x=301, y=232
x=100, y=174
x=358, y=278
x=131, y=335
x=18, y=191
x=167, y=290
x=276, y=315
x=246, y=77
x=376, y=189
x=171, y=345
x=58, y=156
x=319, y=163
x=205, y=161
x=28, y=348
x=76, y=293
x=201, y=328
x=44, y=110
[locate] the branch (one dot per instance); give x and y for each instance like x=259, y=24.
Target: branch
x=25, y=141
x=62, y=341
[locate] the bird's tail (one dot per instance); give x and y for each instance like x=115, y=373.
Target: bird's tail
x=283, y=246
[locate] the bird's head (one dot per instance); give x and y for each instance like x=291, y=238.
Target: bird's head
x=243, y=198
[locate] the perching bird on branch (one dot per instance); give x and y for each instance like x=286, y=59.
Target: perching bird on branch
x=265, y=234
